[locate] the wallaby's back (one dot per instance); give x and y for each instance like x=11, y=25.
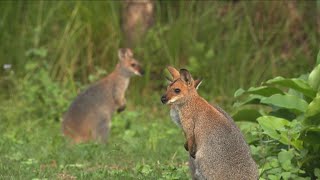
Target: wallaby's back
x=223, y=152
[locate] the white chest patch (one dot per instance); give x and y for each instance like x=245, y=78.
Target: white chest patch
x=174, y=113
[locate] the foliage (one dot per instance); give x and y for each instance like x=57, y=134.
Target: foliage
x=285, y=140
x=221, y=42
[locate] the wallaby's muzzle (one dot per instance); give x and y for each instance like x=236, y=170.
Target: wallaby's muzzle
x=164, y=99
x=138, y=70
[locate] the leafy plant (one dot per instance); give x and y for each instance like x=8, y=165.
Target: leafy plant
x=287, y=111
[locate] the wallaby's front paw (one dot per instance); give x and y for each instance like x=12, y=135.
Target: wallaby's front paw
x=121, y=108
x=192, y=153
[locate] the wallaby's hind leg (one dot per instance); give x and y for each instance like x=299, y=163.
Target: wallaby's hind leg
x=102, y=130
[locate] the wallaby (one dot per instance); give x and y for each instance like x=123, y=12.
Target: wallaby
x=89, y=116
x=217, y=149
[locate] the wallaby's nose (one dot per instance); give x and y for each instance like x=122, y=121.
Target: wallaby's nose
x=164, y=99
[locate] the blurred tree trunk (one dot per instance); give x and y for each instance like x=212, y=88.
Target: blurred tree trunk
x=137, y=17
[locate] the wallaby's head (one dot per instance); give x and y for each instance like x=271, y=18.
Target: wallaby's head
x=128, y=65
x=181, y=87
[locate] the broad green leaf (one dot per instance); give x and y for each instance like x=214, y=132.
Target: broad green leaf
x=286, y=101
x=251, y=99
x=249, y=129
x=262, y=90
x=246, y=115
x=284, y=158
x=314, y=78
x=271, y=124
x=276, y=128
x=239, y=92
x=274, y=177
x=296, y=84
x=313, y=112
x=286, y=175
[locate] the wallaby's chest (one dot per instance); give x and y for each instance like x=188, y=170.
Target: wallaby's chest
x=119, y=87
x=175, y=116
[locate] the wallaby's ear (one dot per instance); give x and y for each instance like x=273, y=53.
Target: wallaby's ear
x=197, y=83
x=124, y=53
x=174, y=73
x=186, y=77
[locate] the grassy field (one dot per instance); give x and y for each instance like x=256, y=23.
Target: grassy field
x=56, y=49
x=142, y=145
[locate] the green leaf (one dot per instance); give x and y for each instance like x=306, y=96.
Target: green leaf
x=239, y=92
x=285, y=159
x=276, y=128
x=273, y=177
x=252, y=99
x=296, y=84
x=264, y=91
x=314, y=78
x=286, y=175
x=313, y=112
x=246, y=115
x=249, y=130
x=286, y=101
x=270, y=124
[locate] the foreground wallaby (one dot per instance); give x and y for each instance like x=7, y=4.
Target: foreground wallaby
x=216, y=146
x=89, y=116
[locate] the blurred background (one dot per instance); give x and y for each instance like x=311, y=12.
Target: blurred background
x=52, y=50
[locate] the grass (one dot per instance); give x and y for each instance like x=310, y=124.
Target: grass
x=141, y=145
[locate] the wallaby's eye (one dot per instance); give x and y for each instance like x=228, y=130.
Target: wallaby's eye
x=133, y=65
x=177, y=90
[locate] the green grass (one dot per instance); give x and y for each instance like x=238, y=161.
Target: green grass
x=142, y=145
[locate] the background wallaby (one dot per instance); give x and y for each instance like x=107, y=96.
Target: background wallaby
x=89, y=116
x=216, y=146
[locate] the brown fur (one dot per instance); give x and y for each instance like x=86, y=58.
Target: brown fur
x=216, y=146
x=89, y=115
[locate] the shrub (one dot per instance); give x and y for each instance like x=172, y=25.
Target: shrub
x=285, y=127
